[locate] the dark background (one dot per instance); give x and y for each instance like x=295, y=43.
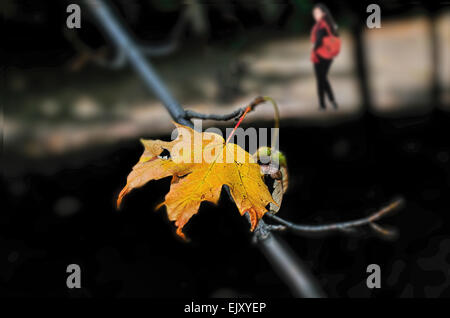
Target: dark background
x=337, y=172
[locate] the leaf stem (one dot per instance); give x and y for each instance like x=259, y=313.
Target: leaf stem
x=238, y=123
x=276, y=117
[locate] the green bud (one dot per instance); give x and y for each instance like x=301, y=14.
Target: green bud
x=275, y=156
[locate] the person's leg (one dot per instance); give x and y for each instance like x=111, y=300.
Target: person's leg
x=327, y=87
x=320, y=77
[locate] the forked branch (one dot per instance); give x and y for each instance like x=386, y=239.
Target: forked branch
x=342, y=226
x=302, y=229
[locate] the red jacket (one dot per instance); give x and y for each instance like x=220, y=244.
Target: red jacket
x=318, y=31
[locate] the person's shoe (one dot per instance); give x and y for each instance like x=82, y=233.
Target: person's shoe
x=335, y=105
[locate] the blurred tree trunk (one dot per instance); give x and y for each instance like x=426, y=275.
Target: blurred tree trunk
x=434, y=47
x=360, y=56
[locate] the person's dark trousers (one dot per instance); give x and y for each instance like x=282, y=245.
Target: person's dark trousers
x=323, y=86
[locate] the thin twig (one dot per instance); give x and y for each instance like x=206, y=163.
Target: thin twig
x=98, y=56
x=235, y=114
x=341, y=226
x=174, y=39
x=190, y=114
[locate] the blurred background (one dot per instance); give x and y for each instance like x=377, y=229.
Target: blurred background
x=73, y=114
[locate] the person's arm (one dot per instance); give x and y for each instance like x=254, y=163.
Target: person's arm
x=320, y=34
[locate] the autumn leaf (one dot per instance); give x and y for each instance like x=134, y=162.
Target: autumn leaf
x=200, y=164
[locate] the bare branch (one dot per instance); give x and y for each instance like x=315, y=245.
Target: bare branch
x=174, y=39
x=98, y=56
x=342, y=226
x=390, y=233
x=286, y=264
x=189, y=114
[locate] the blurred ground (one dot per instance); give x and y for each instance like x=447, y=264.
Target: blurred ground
x=52, y=110
x=400, y=58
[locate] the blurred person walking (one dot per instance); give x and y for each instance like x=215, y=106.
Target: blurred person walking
x=327, y=45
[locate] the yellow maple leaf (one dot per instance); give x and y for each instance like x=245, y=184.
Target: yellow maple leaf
x=200, y=164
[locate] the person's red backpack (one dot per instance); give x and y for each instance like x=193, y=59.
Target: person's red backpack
x=331, y=45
